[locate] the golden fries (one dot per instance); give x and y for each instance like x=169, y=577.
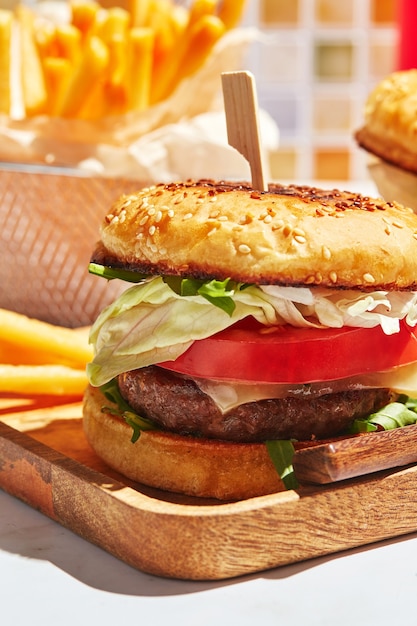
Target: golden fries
x=52, y=380
x=108, y=61
x=42, y=342
x=40, y=358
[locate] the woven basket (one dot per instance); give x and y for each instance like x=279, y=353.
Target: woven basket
x=49, y=224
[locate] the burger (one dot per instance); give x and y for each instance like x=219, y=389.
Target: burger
x=252, y=322
x=388, y=131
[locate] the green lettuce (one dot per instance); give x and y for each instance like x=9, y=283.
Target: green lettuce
x=123, y=409
x=397, y=414
x=281, y=453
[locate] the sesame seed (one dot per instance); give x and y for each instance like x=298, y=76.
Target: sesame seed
x=267, y=219
x=397, y=224
x=388, y=229
x=211, y=232
x=187, y=216
x=152, y=230
x=286, y=231
x=326, y=253
x=213, y=198
x=368, y=278
x=318, y=278
x=158, y=217
x=171, y=213
x=151, y=211
x=300, y=239
x=299, y=231
x=223, y=218
x=214, y=214
x=333, y=277
x=143, y=220
x=244, y=249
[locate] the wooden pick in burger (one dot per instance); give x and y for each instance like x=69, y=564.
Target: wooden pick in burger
x=241, y=108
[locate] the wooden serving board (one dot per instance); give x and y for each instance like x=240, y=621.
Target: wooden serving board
x=46, y=461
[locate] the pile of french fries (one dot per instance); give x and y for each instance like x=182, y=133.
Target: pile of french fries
x=108, y=61
x=37, y=358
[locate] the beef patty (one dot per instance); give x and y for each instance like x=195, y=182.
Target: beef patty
x=177, y=404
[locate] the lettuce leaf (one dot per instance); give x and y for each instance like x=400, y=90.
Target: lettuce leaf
x=112, y=393
x=281, y=453
x=397, y=414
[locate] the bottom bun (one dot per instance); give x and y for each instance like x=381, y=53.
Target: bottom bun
x=187, y=465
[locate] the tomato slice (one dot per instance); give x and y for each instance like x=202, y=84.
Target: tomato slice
x=250, y=352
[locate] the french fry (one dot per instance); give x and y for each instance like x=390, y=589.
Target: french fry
x=195, y=46
x=231, y=11
x=54, y=380
x=33, y=81
x=42, y=342
x=140, y=11
x=45, y=38
x=91, y=69
x=203, y=35
x=200, y=8
x=68, y=42
x=6, y=19
x=115, y=23
x=57, y=73
x=140, y=67
x=84, y=15
x=110, y=95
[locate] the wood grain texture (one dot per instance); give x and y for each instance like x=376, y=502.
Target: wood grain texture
x=53, y=469
x=356, y=456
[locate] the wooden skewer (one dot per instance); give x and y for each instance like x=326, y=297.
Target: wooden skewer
x=241, y=108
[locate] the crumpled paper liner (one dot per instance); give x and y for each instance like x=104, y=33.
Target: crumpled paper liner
x=120, y=145
x=394, y=183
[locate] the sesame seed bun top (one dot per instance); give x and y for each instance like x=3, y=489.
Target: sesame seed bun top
x=290, y=235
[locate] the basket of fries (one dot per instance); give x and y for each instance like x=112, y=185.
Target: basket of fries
x=85, y=86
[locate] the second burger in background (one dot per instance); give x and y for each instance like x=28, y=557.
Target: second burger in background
x=256, y=319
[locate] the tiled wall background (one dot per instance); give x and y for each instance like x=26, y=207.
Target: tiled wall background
x=314, y=68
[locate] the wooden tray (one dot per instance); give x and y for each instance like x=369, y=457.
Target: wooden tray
x=46, y=462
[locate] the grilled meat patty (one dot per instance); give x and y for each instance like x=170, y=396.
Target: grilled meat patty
x=177, y=404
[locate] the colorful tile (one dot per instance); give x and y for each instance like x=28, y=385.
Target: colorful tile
x=331, y=163
x=279, y=12
x=383, y=12
x=329, y=12
x=333, y=60
x=332, y=114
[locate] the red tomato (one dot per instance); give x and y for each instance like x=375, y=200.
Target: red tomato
x=250, y=352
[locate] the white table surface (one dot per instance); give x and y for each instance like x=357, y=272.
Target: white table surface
x=50, y=576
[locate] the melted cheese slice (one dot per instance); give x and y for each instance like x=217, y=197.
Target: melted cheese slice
x=227, y=395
